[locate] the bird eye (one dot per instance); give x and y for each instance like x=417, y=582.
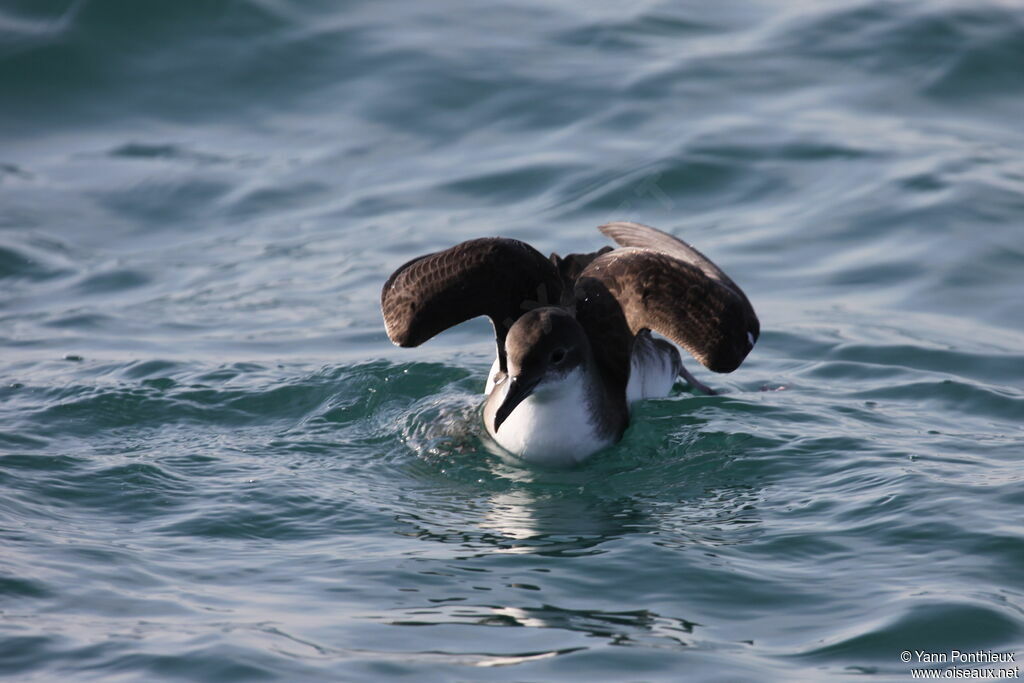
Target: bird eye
x=558, y=355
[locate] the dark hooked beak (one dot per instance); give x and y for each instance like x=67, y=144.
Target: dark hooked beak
x=518, y=389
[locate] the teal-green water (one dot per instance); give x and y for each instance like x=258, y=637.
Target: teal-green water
x=215, y=467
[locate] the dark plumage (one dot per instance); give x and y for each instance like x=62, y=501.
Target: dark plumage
x=654, y=281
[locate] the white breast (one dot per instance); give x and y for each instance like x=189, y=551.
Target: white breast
x=552, y=425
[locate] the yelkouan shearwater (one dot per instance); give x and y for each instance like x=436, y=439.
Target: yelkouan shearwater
x=574, y=344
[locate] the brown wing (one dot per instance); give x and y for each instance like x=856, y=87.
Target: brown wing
x=641, y=236
x=493, y=276
x=673, y=289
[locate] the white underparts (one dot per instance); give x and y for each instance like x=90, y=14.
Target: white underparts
x=553, y=425
x=652, y=372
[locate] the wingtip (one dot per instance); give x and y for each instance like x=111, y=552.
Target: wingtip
x=398, y=330
x=611, y=227
x=400, y=338
x=403, y=342
x=633, y=234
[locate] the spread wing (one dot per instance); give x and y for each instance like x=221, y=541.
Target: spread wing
x=665, y=285
x=493, y=276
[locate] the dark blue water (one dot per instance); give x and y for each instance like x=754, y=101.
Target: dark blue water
x=214, y=466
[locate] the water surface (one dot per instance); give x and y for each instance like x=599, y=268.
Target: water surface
x=214, y=466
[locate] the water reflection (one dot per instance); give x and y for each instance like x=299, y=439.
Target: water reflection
x=522, y=521
x=560, y=521
x=559, y=524
x=632, y=628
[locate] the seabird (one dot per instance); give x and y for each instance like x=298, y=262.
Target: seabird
x=573, y=334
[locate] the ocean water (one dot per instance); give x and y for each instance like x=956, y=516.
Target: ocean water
x=215, y=467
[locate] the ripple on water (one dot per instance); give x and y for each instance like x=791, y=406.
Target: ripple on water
x=33, y=259
x=951, y=53
x=204, y=476
x=915, y=623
